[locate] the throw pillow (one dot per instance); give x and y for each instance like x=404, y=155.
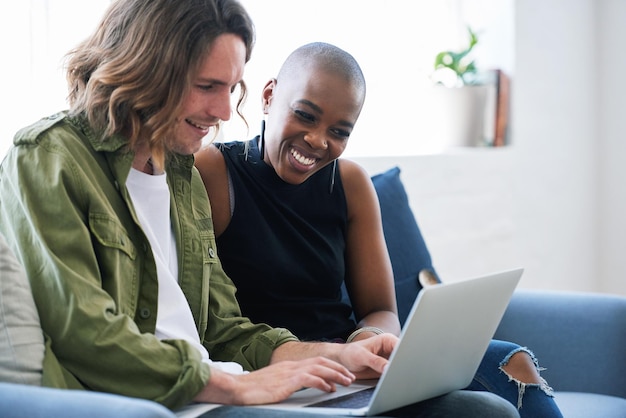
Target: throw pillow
x=407, y=248
x=21, y=338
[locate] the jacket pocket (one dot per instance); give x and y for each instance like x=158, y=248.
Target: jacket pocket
x=111, y=234
x=116, y=254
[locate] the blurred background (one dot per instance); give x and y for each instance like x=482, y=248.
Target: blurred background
x=552, y=200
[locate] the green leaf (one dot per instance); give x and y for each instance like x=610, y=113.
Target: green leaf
x=455, y=60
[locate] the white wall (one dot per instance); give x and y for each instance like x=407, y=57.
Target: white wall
x=464, y=204
x=555, y=132
x=554, y=201
x=611, y=271
x=34, y=37
x=569, y=145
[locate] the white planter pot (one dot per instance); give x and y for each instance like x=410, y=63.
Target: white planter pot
x=460, y=114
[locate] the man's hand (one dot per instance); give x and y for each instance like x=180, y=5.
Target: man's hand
x=274, y=383
x=297, y=365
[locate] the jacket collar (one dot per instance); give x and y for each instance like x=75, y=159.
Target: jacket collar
x=97, y=140
x=118, y=142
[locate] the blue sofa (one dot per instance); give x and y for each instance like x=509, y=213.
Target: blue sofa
x=579, y=338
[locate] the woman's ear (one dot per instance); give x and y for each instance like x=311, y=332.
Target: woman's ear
x=268, y=93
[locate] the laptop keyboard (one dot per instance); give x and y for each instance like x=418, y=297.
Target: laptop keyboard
x=351, y=400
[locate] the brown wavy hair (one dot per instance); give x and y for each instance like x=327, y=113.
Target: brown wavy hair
x=132, y=74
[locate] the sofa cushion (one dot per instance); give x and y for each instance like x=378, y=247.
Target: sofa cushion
x=407, y=248
x=585, y=405
x=557, y=325
x=21, y=338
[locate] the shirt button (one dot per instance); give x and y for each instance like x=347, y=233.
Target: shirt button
x=211, y=252
x=144, y=313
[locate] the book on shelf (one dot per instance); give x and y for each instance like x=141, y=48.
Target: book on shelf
x=497, y=111
x=503, y=109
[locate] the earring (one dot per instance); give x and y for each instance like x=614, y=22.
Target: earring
x=261, y=143
x=332, y=177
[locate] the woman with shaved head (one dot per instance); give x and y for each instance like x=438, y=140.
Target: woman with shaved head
x=294, y=223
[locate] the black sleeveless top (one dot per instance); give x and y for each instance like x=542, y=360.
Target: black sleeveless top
x=285, y=246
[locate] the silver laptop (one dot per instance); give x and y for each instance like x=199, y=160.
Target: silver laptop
x=441, y=345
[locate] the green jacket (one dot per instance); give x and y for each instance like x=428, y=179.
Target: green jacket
x=68, y=216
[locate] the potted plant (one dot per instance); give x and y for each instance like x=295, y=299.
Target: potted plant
x=461, y=96
x=457, y=68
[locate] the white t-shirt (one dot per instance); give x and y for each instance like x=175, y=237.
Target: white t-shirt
x=151, y=198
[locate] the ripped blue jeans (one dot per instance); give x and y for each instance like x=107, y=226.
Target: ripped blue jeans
x=532, y=399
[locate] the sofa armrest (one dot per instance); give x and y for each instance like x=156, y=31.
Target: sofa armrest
x=580, y=338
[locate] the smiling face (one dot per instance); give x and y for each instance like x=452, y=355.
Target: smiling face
x=309, y=120
x=209, y=99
